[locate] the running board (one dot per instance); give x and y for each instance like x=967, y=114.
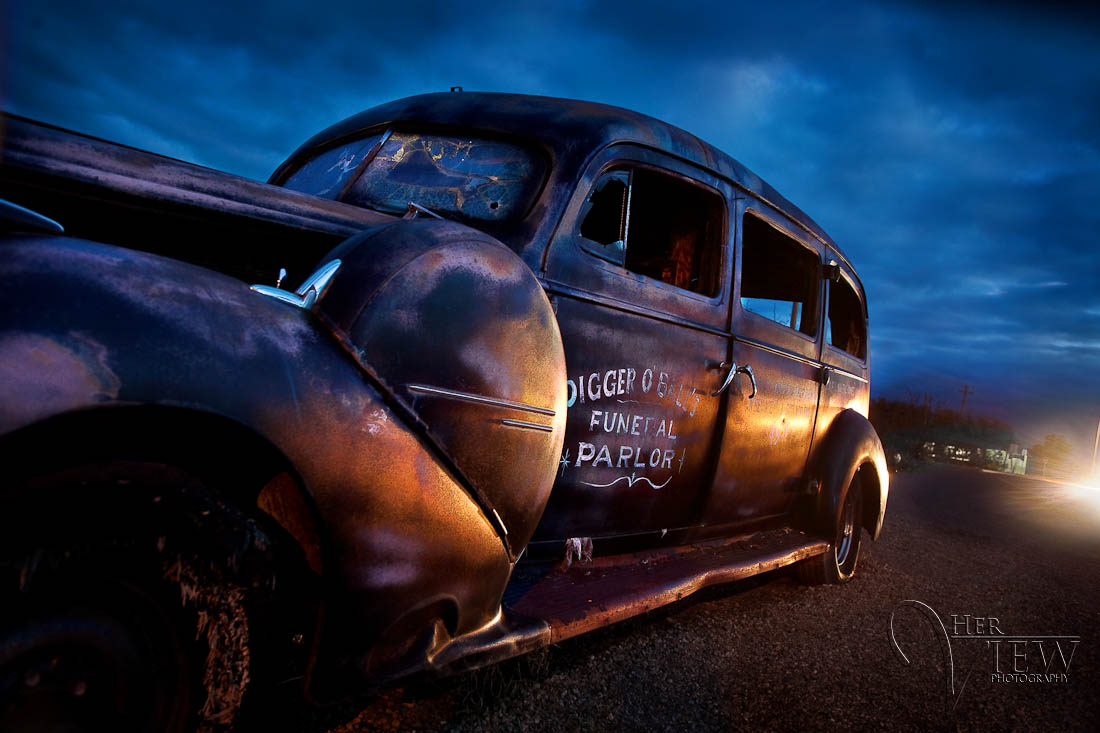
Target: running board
x=587, y=596
x=547, y=603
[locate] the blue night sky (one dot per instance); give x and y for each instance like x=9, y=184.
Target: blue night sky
x=952, y=150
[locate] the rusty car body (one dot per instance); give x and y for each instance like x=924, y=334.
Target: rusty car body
x=557, y=363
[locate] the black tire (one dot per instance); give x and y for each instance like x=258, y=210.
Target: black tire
x=126, y=594
x=838, y=563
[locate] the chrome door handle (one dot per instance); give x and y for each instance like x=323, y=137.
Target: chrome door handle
x=752, y=378
x=733, y=372
x=729, y=378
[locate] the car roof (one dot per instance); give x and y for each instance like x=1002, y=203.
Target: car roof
x=568, y=127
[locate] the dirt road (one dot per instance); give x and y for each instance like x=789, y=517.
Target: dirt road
x=770, y=653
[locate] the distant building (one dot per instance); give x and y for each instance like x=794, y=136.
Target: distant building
x=1017, y=459
x=1013, y=460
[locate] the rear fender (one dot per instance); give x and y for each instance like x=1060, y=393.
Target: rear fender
x=850, y=445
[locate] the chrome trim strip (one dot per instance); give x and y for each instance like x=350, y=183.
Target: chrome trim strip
x=21, y=216
x=777, y=350
x=846, y=373
x=501, y=521
x=530, y=425
x=478, y=399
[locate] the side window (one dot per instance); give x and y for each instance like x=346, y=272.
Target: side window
x=845, y=327
x=604, y=226
x=657, y=225
x=779, y=277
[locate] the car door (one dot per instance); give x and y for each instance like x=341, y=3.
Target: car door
x=770, y=416
x=639, y=272
x=844, y=351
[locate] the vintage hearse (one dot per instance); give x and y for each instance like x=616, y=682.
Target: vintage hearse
x=473, y=373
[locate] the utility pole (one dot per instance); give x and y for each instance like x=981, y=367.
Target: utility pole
x=966, y=392
x=1095, y=444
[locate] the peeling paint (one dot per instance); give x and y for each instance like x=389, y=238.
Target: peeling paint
x=42, y=376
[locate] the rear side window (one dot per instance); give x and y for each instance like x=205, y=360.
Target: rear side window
x=657, y=225
x=845, y=327
x=779, y=277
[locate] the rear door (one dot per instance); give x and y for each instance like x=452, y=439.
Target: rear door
x=770, y=418
x=639, y=272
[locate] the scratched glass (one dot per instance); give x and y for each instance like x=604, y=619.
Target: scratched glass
x=471, y=179
x=328, y=173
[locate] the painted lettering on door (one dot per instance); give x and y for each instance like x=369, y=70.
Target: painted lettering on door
x=631, y=417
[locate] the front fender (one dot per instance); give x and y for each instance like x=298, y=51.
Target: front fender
x=461, y=330
x=85, y=325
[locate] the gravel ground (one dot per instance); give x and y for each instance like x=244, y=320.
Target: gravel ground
x=770, y=653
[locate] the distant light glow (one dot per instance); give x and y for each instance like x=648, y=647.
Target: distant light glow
x=1091, y=480
x=1085, y=493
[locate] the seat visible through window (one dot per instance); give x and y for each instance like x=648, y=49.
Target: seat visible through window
x=657, y=225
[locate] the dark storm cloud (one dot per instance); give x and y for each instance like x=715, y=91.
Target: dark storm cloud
x=952, y=149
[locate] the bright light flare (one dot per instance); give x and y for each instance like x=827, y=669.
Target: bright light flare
x=1084, y=492
x=1090, y=480
x=1063, y=511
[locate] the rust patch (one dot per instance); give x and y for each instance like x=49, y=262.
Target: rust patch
x=281, y=499
x=223, y=623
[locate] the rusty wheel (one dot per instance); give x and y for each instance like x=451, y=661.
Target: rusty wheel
x=94, y=653
x=838, y=563
x=130, y=610
x=846, y=543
